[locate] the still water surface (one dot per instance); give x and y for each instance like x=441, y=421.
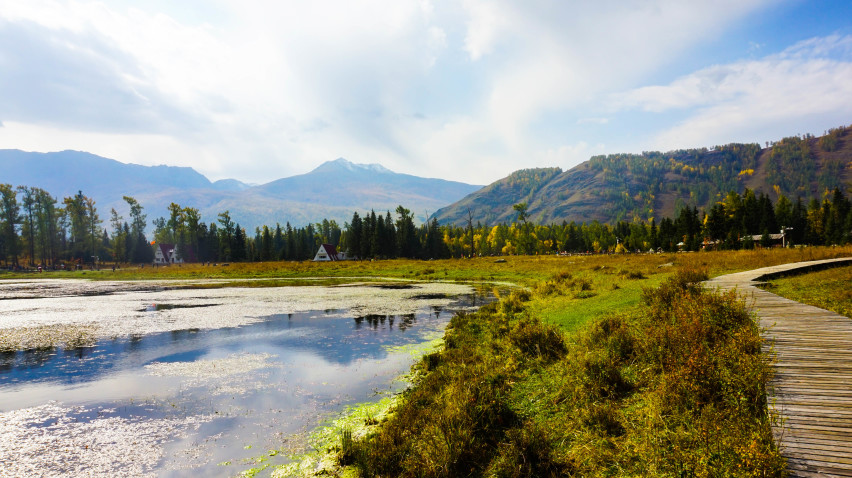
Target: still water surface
x=201, y=401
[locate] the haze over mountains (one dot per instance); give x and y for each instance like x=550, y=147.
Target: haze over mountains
x=334, y=190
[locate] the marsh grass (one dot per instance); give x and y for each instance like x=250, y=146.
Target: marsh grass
x=829, y=289
x=672, y=388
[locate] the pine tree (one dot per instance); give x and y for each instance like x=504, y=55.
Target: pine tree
x=238, y=244
x=406, y=234
x=9, y=220
x=266, y=249
x=353, y=237
x=278, y=244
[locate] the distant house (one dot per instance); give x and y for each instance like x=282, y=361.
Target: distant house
x=774, y=239
x=710, y=244
x=168, y=254
x=328, y=252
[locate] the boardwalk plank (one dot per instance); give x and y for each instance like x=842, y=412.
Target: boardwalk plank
x=812, y=386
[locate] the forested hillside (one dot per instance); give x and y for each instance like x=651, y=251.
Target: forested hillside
x=639, y=187
x=492, y=203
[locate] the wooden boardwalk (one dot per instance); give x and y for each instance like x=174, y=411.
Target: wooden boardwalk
x=812, y=387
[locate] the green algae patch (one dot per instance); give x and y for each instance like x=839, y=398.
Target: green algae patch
x=431, y=343
x=328, y=443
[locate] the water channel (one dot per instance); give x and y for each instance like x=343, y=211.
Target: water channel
x=180, y=382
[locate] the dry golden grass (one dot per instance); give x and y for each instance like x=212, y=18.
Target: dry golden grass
x=521, y=270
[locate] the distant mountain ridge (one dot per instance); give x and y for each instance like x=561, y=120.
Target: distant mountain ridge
x=333, y=190
x=65, y=172
x=638, y=187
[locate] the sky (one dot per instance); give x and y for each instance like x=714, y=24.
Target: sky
x=468, y=90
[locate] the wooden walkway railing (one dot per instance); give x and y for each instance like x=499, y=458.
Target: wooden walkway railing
x=812, y=387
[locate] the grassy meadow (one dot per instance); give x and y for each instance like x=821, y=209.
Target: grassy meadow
x=522, y=270
x=605, y=272
x=611, y=366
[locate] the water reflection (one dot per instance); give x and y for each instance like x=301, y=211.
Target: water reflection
x=290, y=370
x=437, y=309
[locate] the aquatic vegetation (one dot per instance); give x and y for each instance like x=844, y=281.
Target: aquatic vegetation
x=76, y=319
x=48, y=336
x=329, y=440
x=49, y=440
x=176, y=357
x=235, y=374
x=212, y=369
x=319, y=451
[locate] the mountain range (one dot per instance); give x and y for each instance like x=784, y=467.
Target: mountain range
x=334, y=190
x=639, y=187
x=631, y=187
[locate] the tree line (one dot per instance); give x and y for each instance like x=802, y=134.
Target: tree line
x=37, y=229
x=729, y=224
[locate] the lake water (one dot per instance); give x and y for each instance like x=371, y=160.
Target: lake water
x=175, y=391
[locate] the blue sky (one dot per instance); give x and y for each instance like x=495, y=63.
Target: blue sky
x=467, y=90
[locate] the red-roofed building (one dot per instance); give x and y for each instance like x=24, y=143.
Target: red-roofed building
x=328, y=252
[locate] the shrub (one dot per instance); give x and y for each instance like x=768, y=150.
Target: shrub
x=536, y=339
x=562, y=276
x=631, y=274
x=683, y=282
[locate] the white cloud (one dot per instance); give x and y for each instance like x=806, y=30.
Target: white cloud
x=783, y=73
x=562, y=55
x=253, y=88
x=260, y=89
x=485, y=24
x=805, y=86
x=159, y=148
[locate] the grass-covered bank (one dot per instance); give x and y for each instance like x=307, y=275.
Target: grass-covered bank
x=829, y=289
x=674, y=388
